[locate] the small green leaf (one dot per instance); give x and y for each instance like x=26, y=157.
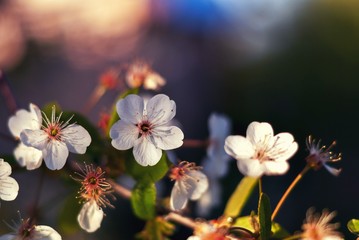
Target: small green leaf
x=278, y=232
x=353, y=226
x=149, y=173
x=264, y=212
x=68, y=216
x=143, y=200
x=240, y=196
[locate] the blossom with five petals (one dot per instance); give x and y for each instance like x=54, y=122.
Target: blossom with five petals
x=9, y=188
x=260, y=152
x=56, y=139
x=23, y=119
x=191, y=183
x=145, y=128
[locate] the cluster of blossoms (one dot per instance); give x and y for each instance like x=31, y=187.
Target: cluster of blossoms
x=146, y=127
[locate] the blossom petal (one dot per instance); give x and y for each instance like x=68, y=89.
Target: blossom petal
x=219, y=128
x=196, y=183
x=55, y=155
x=9, y=236
x=275, y=168
x=153, y=81
x=284, y=147
x=28, y=156
x=34, y=138
x=5, y=169
x=123, y=134
x=145, y=153
x=76, y=138
x=130, y=108
x=167, y=138
x=259, y=132
x=25, y=120
x=90, y=216
x=160, y=109
x=250, y=167
x=179, y=198
x=215, y=167
x=45, y=233
x=239, y=147
x=9, y=188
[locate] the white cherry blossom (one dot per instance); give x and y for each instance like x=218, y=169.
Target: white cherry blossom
x=260, y=152
x=90, y=216
x=190, y=184
x=56, y=139
x=27, y=231
x=28, y=157
x=9, y=187
x=145, y=128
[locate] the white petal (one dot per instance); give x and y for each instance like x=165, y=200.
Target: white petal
x=219, y=126
x=145, y=153
x=9, y=236
x=9, y=188
x=130, y=108
x=196, y=183
x=28, y=156
x=25, y=120
x=160, y=109
x=45, y=233
x=215, y=167
x=167, y=138
x=34, y=138
x=179, y=198
x=5, y=169
x=275, y=168
x=55, y=155
x=77, y=138
x=284, y=147
x=90, y=216
x=250, y=167
x=210, y=199
x=259, y=132
x=238, y=147
x=123, y=134
x=193, y=238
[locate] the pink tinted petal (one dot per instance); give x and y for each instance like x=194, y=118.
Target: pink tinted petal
x=90, y=216
x=238, y=147
x=179, y=198
x=5, y=169
x=34, y=138
x=130, y=108
x=9, y=188
x=55, y=155
x=76, y=138
x=45, y=233
x=196, y=183
x=250, y=167
x=332, y=170
x=259, y=132
x=167, y=138
x=153, y=81
x=28, y=156
x=275, y=168
x=123, y=135
x=160, y=109
x=145, y=153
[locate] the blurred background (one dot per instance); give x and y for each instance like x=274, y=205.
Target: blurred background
x=294, y=64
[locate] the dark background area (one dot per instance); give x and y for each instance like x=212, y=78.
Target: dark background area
x=294, y=65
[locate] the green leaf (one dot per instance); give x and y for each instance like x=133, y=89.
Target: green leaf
x=240, y=196
x=264, y=212
x=114, y=115
x=353, y=226
x=149, y=173
x=143, y=200
x=246, y=222
x=156, y=229
x=67, y=218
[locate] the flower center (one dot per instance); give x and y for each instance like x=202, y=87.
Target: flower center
x=145, y=127
x=93, y=181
